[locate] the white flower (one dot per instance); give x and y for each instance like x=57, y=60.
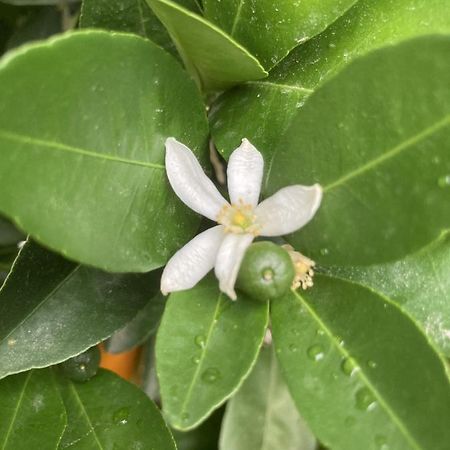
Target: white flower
x=223, y=246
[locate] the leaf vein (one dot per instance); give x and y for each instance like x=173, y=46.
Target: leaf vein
x=28, y=140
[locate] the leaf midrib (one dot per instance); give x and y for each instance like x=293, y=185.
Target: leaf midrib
x=86, y=415
x=359, y=373
x=42, y=302
x=58, y=146
x=202, y=357
x=16, y=411
x=387, y=155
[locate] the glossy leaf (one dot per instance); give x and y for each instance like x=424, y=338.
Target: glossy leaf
x=52, y=309
x=211, y=56
x=262, y=415
x=133, y=16
x=262, y=111
x=140, y=328
x=32, y=414
x=107, y=412
x=379, y=153
x=419, y=283
x=206, y=346
x=97, y=139
x=360, y=371
x=271, y=29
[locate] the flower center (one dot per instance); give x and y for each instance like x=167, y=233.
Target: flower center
x=304, y=268
x=238, y=219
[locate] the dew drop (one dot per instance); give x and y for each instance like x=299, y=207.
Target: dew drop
x=195, y=359
x=324, y=251
x=349, y=367
x=210, y=375
x=365, y=400
x=315, y=352
x=200, y=341
x=444, y=181
x=120, y=417
x=320, y=332
x=372, y=364
x=293, y=348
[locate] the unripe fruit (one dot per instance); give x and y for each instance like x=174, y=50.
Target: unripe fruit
x=266, y=272
x=82, y=367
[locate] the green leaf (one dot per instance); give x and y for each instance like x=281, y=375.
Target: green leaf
x=379, y=153
x=360, y=371
x=262, y=111
x=108, y=412
x=133, y=16
x=52, y=309
x=206, y=346
x=36, y=2
x=204, y=437
x=419, y=283
x=212, y=57
x=262, y=415
x=271, y=29
x=90, y=147
x=140, y=328
x=32, y=414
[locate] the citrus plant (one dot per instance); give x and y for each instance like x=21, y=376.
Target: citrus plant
x=313, y=313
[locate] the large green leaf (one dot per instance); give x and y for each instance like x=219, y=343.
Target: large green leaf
x=262, y=415
x=109, y=413
x=379, y=152
x=52, y=309
x=134, y=16
x=419, y=283
x=32, y=414
x=361, y=372
x=262, y=111
x=271, y=29
x=212, y=57
x=206, y=346
x=83, y=160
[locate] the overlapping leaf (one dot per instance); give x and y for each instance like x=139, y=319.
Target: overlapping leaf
x=379, y=153
x=32, y=414
x=262, y=111
x=262, y=415
x=107, y=412
x=211, y=56
x=419, y=283
x=361, y=372
x=206, y=346
x=52, y=309
x=271, y=29
x=83, y=123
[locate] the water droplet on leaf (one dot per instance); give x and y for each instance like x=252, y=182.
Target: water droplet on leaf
x=120, y=417
x=365, y=400
x=372, y=364
x=200, y=341
x=315, y=352
x=349, y=367
x=210, y=375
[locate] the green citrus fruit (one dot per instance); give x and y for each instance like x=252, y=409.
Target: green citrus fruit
x=266, y=271
x=82, y=367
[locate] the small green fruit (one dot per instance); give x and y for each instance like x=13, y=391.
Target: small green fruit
x=266, y=272
x=82, y=367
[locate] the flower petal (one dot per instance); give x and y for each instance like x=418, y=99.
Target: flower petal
x=189, y=181
x=288, y=209
x=193, y=261
x=245, y=172
x=229, y=261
